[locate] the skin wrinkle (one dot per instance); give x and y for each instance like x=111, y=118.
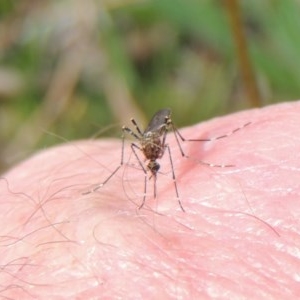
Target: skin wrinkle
x=102, y=246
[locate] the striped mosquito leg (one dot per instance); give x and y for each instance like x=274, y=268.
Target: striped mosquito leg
x=133, y=148
x=100, y=185
x=210, y=139
x=129, y=131
x=207, y=163
x=174, y=179
x=176, y=133
x=136, y=126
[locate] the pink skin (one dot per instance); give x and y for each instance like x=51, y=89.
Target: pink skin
x=238, y=239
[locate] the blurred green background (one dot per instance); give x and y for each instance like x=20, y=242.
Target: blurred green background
x=72, y=67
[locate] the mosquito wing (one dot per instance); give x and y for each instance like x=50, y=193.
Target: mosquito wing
x=158, y=120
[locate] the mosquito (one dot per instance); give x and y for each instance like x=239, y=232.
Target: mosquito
x=152, y=144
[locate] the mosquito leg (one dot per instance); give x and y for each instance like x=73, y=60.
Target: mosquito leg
x=177, y=133
x=97, y=187
x=133, y=148
x=136, y=126
x=154, y=185
x=210, y=139
x=174, y=178
x=129, y=131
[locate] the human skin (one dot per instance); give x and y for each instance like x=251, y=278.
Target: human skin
x=237, y=239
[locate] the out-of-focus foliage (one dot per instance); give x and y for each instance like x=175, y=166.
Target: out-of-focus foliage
x=70, y=67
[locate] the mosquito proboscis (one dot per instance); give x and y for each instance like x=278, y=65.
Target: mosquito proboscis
x=152, y=144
